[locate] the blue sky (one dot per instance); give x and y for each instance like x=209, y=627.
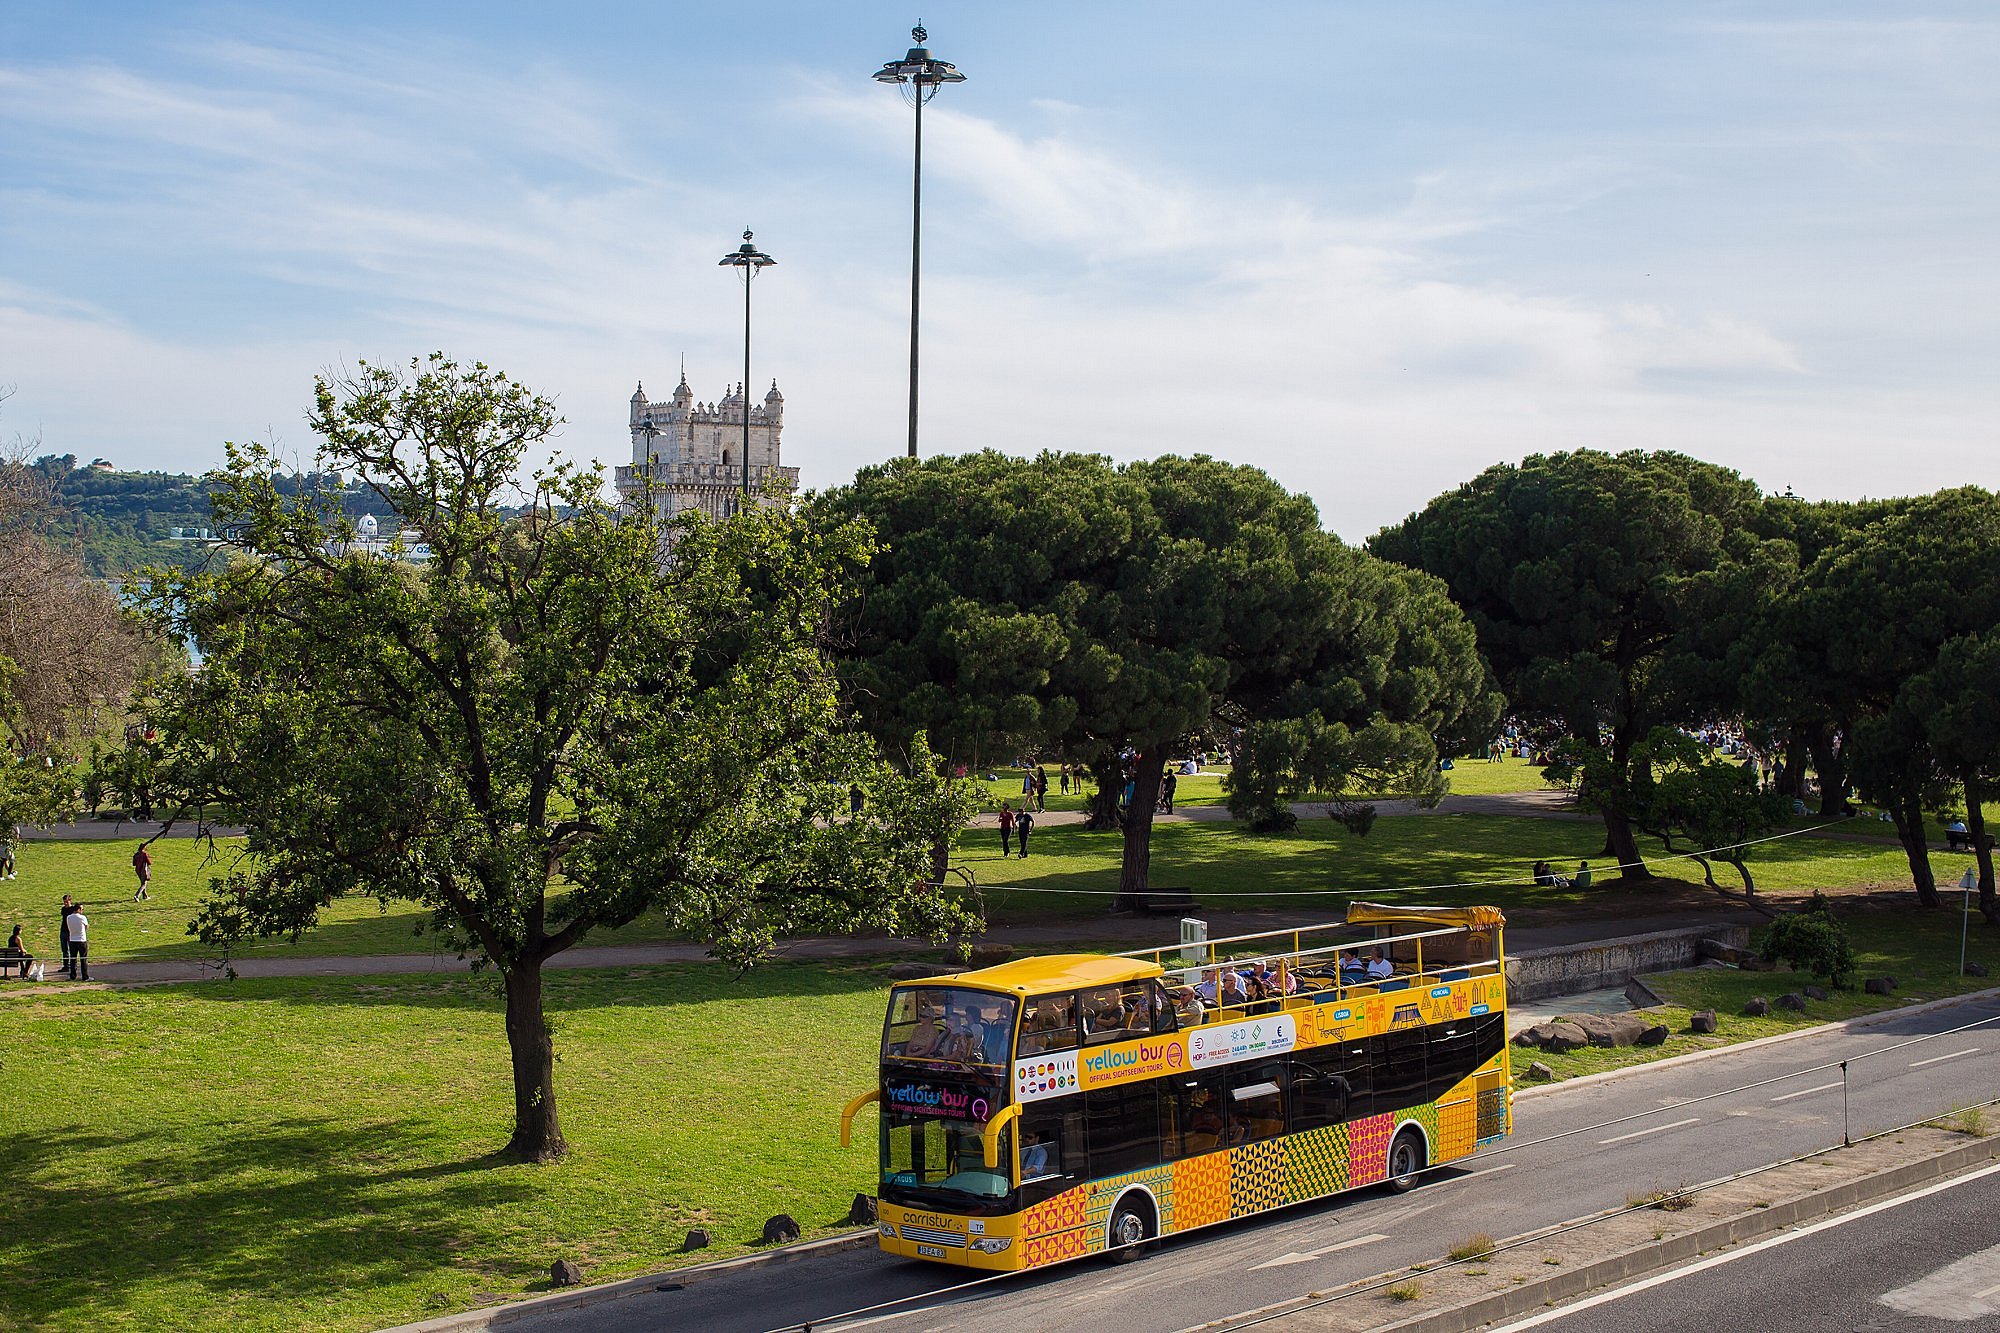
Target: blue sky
x=1372, y=248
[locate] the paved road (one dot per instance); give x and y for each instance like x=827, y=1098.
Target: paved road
x=1925, y=1262
x=1534, y=1182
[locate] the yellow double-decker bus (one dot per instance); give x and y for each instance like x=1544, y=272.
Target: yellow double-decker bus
x=1068, y=1105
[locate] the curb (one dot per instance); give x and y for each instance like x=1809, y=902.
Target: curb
x=1817, y=1029
x=494, y=1316
x=1716, y=1235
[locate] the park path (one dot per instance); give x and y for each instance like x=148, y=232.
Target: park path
x=1092, y=932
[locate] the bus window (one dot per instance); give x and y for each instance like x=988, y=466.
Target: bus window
x=1123, y=1128
x=1102, y=1013
x=1192, y=1118
x=1459, y=1047
x=1049, y=1025
x=1256, y=1103
x=1399, y=1069
x=1329, y=1086
x=949, y=1025
x=944, y=1157
x=1166, y=1006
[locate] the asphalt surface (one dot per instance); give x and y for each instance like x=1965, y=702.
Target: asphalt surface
x=1925, y=1262
x=1536, y=1180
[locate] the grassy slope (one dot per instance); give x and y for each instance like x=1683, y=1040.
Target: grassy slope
x=1469, y=777
x=1319, y=866
x=299, y=1154
x=1919, y=949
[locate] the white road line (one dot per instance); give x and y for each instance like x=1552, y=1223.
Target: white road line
x=1919, y=1064
x=1993, y=1290
x=1730, y=1256
x=1483, y=1171
x=1307, y=1256
x=1805, y=1092
x=1656, y=1129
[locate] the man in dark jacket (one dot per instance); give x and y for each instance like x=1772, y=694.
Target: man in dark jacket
x=68, y=953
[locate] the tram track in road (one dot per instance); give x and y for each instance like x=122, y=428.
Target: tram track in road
x=1555, y=1169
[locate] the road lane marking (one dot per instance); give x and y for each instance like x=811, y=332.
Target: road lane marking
x=1307, y=1256
x=1806, y=1092
x=1656, y=1129
x=1919, y=1064
x=1731, y=1256
x=1483, y=1171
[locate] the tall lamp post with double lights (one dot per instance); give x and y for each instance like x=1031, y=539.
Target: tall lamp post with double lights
x=919, y=77
x=748, y=260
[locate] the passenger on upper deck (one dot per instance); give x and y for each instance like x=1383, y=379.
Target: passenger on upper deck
x=1210, y=989
x=1187, y=1005
x=1232, y=991
x=1379, y=966
x=1352, y=969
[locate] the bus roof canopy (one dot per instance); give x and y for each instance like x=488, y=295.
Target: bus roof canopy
x=1053, y=972
x=1382, y=914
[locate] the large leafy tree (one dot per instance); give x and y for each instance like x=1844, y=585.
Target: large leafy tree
x=543, y=731
x=1957, y=703
x=1875, y=611
x=1601, y=587
x=1117, y=611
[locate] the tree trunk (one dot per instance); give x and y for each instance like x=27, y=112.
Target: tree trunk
x=1831, y=765
x=537, y=1135
x=1906, y=811
x=1620, y=843
x=1102, y=807
x=1139, y=827
x=1791, y=780
x=1975, y=828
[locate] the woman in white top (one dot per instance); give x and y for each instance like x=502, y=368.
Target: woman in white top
x=1379, y=966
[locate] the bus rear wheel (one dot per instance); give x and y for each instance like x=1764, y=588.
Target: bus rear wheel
x=1406, y=1161
x=1130, y=1229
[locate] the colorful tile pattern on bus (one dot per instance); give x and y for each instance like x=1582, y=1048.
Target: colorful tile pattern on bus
x=1237, y=1182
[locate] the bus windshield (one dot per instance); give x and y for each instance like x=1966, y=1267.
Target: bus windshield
x=925, y=1156
x=949, y=1025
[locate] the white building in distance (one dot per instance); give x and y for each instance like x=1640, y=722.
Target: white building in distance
x=690, y=455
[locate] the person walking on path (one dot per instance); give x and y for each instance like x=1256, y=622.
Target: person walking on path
x=1006, y=830
x=142, y=865
x=7, y=855
x=1024, y=824
x=68, y=950
x=1167, y=785
x=79, y=941
x=1041, y=790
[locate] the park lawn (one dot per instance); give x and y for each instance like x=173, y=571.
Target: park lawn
x=1468, y=777
x=1070, y=874
x=1918, y=948
x=314, y=1153
x=1444, y=859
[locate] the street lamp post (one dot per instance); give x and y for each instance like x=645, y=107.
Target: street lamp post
x=748, y=260
x=919, y=77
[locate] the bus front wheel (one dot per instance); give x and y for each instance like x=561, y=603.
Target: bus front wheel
x=1130, y=1229
x=1406, y=1161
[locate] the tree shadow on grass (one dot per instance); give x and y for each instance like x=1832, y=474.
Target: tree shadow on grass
x=299, y=1210
x=646, y=986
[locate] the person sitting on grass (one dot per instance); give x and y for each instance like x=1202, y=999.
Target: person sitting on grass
x=1583, y=876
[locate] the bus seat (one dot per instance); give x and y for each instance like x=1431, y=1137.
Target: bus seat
x=1394, y=983
x=1456, y=974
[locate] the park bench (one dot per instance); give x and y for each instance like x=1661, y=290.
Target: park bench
x=14, y=962
x=1960, y=840
x=1158, y=901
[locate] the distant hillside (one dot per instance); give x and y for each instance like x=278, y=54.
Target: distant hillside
x=124, y=520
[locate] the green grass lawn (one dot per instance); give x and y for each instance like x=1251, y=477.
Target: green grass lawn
x=1919, y=949
x=269, y=1154
x=1070, y=873
x=1469, y=777
x=1447, y=859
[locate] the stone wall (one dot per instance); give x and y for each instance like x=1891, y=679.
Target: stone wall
x=1570, y=969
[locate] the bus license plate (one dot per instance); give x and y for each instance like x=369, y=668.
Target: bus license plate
x=931, y=1251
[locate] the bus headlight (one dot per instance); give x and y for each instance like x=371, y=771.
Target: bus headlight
x=992, y=1244
x=887, y=1229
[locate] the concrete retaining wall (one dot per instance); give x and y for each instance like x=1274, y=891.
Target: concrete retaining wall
x=1570, y=969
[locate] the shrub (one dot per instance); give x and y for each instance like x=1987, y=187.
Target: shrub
x=1812, y=941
